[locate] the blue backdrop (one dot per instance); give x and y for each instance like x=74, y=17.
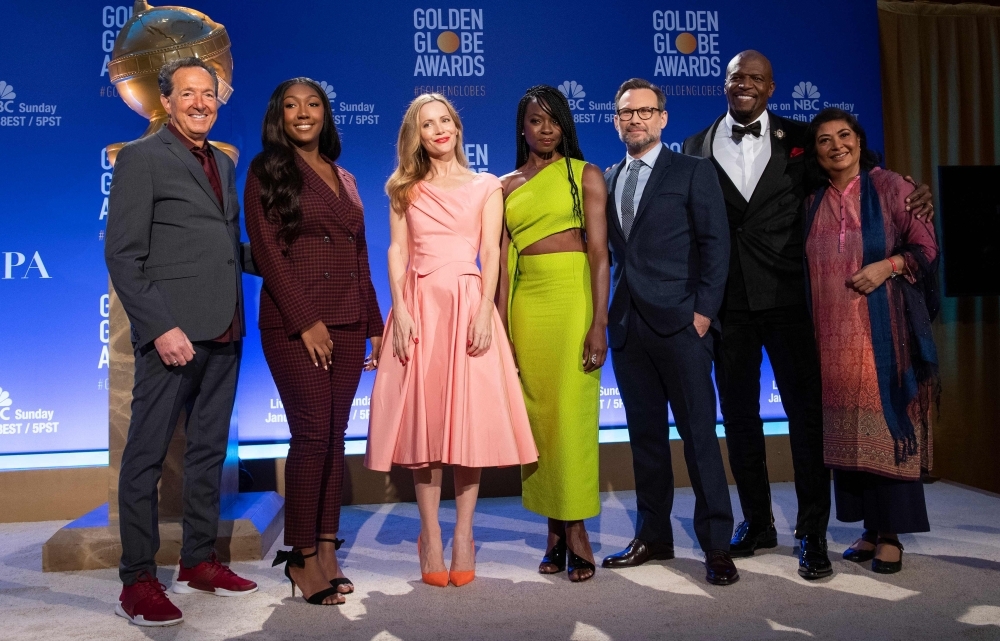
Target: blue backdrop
x=58, y=110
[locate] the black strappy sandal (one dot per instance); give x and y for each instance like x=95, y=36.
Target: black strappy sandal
x=555, y=556
x=296, y=559
x=579, y=563
x=343, y=580
x=860, y=556
x=888, y=567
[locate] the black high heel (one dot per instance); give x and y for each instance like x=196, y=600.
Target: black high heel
x=577, y=562
x=339, y=581
x=555, y=556
x=860, y=556
x=295, y=558
x=888, y=567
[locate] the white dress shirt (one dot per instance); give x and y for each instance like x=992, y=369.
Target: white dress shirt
x=648, y=160
x=743, y=161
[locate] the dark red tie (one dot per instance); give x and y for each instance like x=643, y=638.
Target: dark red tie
x=204, y=156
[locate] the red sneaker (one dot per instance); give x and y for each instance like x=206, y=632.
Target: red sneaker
x=211, y=577
x=145, y=603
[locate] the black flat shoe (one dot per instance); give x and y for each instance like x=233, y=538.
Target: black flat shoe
x=343, y=580
x=814, y=562
x=861, y=556
x=888, y=567
x=296, y=559
x=748, y=538
x=579, y=563
x=637, y=553
x=555, y=556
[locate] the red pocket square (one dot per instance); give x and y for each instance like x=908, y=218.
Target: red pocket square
x=796, y=151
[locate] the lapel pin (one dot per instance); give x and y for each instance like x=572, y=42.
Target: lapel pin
x=779, y=133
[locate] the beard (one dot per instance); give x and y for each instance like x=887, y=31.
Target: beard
x=635, y=144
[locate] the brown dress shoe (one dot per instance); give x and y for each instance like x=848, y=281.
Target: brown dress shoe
x=720, y=569
x=637, y=553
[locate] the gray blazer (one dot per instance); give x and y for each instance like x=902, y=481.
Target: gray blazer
x=173, y=253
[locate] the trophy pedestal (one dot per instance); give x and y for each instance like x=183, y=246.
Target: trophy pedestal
x=249, y=522
x=248, y=527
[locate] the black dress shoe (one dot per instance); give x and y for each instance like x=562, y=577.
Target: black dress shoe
x=720, y=569
x=637, y=553
x=888, y=567
x=748, y=538
x=814, y=562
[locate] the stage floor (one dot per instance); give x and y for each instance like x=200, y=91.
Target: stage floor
x=949, y=587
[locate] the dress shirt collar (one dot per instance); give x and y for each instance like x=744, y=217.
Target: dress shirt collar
x=726, y=126
x=184, y=139
x=648, y=158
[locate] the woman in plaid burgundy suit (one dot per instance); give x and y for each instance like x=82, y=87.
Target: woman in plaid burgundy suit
x=317, y=308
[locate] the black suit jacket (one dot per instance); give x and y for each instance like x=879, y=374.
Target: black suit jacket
x=676, y=258
x=766, y=254
x=173, y=251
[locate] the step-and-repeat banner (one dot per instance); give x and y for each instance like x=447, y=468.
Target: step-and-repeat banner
x=58, y=110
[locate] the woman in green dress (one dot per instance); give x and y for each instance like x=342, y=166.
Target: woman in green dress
x=556, y=289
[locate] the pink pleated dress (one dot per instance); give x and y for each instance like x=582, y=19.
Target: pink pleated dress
x=445, y=406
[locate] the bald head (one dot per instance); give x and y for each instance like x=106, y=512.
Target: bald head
x=749, y=85
x=750, y=56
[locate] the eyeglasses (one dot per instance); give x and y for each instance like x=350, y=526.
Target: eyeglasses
x=645, y=113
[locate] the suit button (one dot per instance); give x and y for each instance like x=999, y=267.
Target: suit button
x=350, y=239
x=326, y=239
x=739, y=230
x=232, y=262
x=353, y=275
x=326, y=275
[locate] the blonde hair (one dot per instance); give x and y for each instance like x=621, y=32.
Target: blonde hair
x=412, y=162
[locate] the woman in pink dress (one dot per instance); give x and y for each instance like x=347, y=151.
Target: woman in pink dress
x=450, y=395
x=872, y=276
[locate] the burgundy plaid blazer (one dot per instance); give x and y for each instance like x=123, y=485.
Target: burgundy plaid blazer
x=325, y=276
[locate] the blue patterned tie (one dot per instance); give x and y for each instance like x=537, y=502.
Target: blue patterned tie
x=628, y=196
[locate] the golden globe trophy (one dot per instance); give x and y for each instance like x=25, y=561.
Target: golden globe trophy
x=250, y=522
x=155, y=36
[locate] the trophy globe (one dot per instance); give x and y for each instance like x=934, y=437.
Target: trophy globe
x=151, y=38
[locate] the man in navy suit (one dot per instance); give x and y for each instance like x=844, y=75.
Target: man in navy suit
x=669, y=239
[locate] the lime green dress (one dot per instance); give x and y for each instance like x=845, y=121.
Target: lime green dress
x=549, y=310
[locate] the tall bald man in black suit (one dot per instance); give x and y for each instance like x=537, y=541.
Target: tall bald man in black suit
x=759, y=159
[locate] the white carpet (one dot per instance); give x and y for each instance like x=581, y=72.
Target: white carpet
x=949, y=587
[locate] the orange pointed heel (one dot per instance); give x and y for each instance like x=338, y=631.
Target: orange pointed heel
x=463, y=577
x=437, y=579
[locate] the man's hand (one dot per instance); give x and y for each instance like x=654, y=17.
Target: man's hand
x=701, y=324
x=920, y=203
x=174, y=348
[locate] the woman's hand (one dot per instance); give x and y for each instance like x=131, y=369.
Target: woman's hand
x=403, y=331
x=595, y=348
x=481, y=329
x=316, y=340
x=371, y=361
x=868, y=279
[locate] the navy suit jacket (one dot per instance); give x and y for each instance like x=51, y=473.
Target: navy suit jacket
x=676, y=259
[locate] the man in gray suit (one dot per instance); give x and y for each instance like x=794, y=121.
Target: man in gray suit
x=173, y=251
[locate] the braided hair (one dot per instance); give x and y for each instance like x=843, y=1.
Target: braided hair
x=553, y=103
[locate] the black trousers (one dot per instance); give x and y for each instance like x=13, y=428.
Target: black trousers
x=206, y=387
x=882, y=503
x=653, y=370
x=787, y=335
